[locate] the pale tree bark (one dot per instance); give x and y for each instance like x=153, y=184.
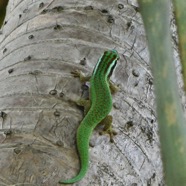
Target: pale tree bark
x=41, y=42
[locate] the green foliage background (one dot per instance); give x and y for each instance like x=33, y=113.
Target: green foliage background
x=3, y=4
x=172, y=124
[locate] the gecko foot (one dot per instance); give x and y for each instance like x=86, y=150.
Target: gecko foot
x=76, y=73
x=80, y=75
x=107, y=122
x=110, y=132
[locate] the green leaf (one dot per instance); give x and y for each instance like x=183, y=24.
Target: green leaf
x=172, y=125
x=180, y=13
x=3, y=4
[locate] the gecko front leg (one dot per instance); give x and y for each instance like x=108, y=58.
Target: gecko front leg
x=80, y=75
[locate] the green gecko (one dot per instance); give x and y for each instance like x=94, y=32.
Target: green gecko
x=100, y=106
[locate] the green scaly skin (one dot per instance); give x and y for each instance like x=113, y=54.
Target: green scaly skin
x=101, y=104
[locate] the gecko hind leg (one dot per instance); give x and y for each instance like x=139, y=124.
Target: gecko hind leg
x=107, y=129
x=106, y=122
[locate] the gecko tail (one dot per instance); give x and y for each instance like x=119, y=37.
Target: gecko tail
x=76, y=178
x=83, y=135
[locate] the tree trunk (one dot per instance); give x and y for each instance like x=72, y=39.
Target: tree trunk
x=41, y=43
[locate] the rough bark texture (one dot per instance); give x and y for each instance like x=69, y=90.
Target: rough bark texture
x=40, y=44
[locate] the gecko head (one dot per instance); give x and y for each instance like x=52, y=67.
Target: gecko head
x=114, y=57
x=115, y=52
x=106, y=63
